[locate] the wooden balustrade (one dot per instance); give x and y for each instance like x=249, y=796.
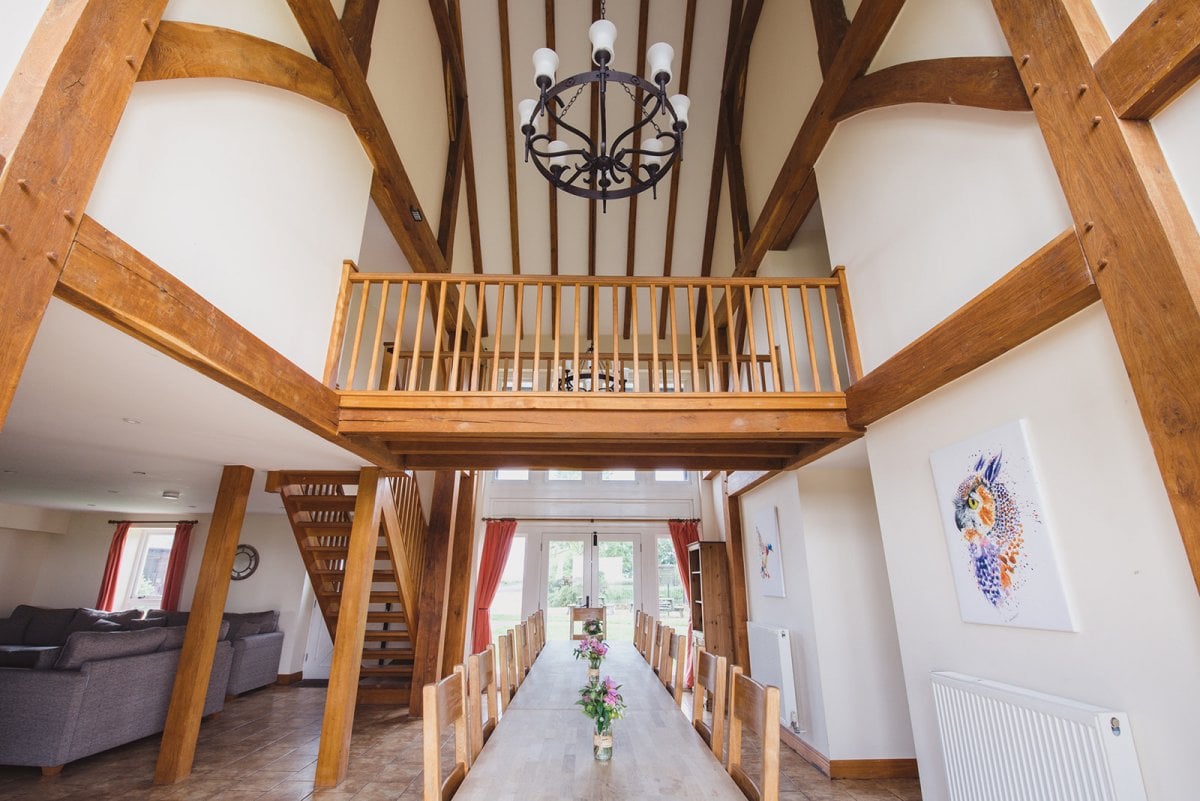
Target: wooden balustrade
x=399, y=333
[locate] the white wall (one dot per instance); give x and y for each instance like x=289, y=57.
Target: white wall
x=927, y=206
x=850, y=689
x=26, y=536
x=252, y=196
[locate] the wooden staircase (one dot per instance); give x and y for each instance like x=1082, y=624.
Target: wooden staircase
x=320, y=506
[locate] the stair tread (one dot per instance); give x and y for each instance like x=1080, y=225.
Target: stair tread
x=386, y=617
x=321, y=503
x=386, y=670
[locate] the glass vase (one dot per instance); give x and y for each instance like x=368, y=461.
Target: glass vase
x=594, y=673
x=602, y=744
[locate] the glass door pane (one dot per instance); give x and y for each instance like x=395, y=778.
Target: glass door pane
x=616, y=584
x=568, y=569
x=506, y=606
x=672, y=606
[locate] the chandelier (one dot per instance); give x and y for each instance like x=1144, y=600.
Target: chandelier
x=609, y=167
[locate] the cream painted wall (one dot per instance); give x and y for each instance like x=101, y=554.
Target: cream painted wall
x=20, y=20
x=850, y=688
x=250, y=195
x=22, y=555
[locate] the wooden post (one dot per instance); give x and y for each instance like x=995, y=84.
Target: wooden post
x=333, y=757
x=736, y=557
x=178, y=748
x=459, y=593
x=60, y=111
x=435, y=588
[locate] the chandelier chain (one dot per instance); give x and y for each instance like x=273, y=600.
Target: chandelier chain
x=629, y=92
x=571, y=102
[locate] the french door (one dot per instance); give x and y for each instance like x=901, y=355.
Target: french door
x=591, y=570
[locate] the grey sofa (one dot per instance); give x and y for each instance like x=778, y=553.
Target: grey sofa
x=104, y=688
x=257, y=645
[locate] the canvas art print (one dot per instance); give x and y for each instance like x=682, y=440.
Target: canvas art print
x=1004, y=565
x=769, y=565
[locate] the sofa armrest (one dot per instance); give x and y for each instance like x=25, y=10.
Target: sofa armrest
x=39, y=710
x=255, y=661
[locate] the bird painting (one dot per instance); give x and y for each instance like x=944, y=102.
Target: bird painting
x=989, y=519
x=764, y=552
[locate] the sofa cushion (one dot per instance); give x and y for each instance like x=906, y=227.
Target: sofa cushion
x=91, y=646
x=39, y=657
x=172, y=638
x=12, y=630
x=99, y=620
x=146, y=623
x=244, y=624
x=46, y=626
x=177, y=618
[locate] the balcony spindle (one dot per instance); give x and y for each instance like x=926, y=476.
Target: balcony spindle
x=833, y=367
x=373, y=370
x=414, y=369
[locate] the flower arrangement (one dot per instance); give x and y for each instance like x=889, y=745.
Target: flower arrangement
x=602, y=703
x=593, y=627
x=593, y=650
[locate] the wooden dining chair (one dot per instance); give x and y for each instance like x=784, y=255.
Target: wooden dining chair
x=663, y=666
x=541, y=616
x=516, y=664
x=504, y=670
x=637, y=629
x=647, y=636
x=445, y=703
x=755, y=707
x=581, y=614
x=674, y=667
x=655, y=645
x=481, y=684
x=710, y=684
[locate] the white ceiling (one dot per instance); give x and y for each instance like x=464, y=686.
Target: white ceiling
x=65, y=444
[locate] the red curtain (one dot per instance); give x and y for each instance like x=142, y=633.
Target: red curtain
x=176, y=564
x=112, y=569
x=683, y=534
x=496, y=542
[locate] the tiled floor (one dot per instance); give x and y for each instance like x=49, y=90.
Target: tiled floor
x=264, y=746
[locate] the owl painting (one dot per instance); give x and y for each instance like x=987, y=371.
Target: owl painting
x=990, y=522
x=1002, y=557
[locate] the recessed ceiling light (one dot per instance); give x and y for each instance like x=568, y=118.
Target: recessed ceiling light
x=133, y=421
x=114, y=492
x=139, y=472
x=9, y=472
x=171, y=495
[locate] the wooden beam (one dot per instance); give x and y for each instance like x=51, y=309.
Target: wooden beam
x=459, y=592
x=741, y=481
x=1138, y=234
x=631, y=239
x=736, y=557
x=430, y=644
x=110, y=280
x=867, y=32
x=831, y=24
x=977, y=81
x=1040, y=292
x=733, y=102
x=1154, y=60
x=358, y=21
x=456, y=160
x=59, y=112
x=178, y=749
x=448, y=37
x=552, y=129
x=333, y=755
x=192, y=50
x=327, y=39
x=514, y=217
x=568, y=460
x=801, y=206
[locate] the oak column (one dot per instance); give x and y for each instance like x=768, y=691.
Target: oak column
x=58, y=113
x=333, y=756
x=736, y=557
x=435, y=588
x=459, y=592
x=178, y=749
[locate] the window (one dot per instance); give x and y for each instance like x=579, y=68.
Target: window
x=619, y=475
x=144, y=566
x=670, y=475
x=512, y=475
x=672, y=606
x=564, y=475
x=506, y=606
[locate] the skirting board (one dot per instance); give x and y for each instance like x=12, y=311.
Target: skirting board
x=289, y=678
x=849, y=768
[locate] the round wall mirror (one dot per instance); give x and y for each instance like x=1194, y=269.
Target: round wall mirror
x=245, y=562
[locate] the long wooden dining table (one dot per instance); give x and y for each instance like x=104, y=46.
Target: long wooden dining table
x=542, y=747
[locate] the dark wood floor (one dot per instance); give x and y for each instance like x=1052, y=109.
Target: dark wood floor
x=264, y=746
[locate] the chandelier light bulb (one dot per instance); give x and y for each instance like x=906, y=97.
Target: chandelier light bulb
x=659, y=57
x=656, y=147
x=525, y=114
x=557, y=148
x=680, y=104
x=603, y=35
x=545, y=64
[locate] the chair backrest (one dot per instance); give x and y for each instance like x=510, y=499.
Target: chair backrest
x=504, y=669
x=755, y=707
x=541, y=618
x=531, y=635
x=663, y=665
x=710, y=684
x=445, y=702
x=580, y=614
x=520, y=654
x=481, y=680
x=655, y=646
x=674, y=666
x=647, y=636
x=637, y=629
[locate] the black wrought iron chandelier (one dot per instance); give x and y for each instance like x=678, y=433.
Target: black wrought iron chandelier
x=608, y=168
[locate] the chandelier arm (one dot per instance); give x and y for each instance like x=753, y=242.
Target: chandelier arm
x=648, y=119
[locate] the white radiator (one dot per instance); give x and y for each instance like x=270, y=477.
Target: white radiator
x=1005, y=743
x=771, y=663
